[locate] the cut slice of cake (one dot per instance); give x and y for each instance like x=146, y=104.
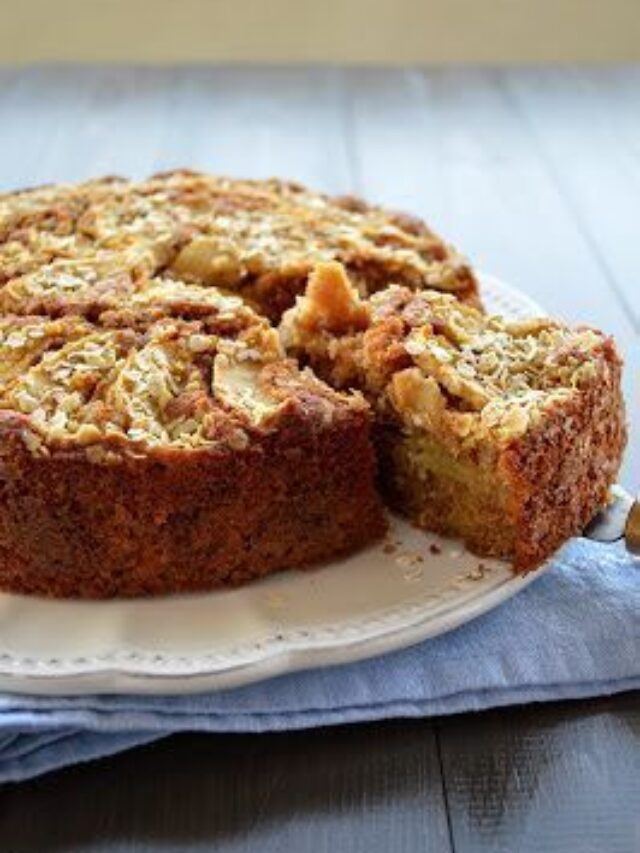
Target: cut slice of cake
x=506, y=434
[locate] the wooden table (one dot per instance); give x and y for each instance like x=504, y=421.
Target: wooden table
x=559, y=778
x=536, y=175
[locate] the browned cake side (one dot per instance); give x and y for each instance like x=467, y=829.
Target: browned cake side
x=506, y=434
x=171, y=521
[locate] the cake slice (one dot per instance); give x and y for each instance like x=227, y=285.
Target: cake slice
x=506, y=434
x=169, y=459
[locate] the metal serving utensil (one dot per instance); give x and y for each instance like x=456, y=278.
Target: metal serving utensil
x=619, y=520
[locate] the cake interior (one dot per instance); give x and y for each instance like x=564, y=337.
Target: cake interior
x=506, y=434
x=446, y=494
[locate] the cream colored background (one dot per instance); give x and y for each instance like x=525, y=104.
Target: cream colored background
x=358, y=31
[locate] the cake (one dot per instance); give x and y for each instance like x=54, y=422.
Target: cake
x=154, y=437
x=507, y=434
x=206, y=380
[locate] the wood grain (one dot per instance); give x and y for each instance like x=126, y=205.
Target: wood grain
x=579, y=120
x=372, y=788
x=545, y=778
x=551, y=779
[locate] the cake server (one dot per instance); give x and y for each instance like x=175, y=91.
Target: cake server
x=619, y=520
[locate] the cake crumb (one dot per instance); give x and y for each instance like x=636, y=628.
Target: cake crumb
x=408, y=558
x=413, y=573
x=479, y=572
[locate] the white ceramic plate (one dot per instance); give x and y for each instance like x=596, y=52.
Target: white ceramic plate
x=409, y=587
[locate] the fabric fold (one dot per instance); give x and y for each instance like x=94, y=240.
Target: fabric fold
x=573, y=633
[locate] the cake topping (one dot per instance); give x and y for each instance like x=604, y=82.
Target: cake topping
x=331, y=302
x=241, y=385
x=263, y=237
x=439, y=364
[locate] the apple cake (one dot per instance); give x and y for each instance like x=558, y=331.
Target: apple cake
x=153, y=435
x=506, y=434
x=203, y=380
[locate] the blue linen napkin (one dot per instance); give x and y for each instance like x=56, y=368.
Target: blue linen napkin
x=574, y=632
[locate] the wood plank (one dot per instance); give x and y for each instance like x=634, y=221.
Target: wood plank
x=367, y=788
x=63, y=123
x=396, y=142
x=571, y=113
x=619, y=85
x=450, y=145
x=259, y=123
x=545, y=778
x=68, y=124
